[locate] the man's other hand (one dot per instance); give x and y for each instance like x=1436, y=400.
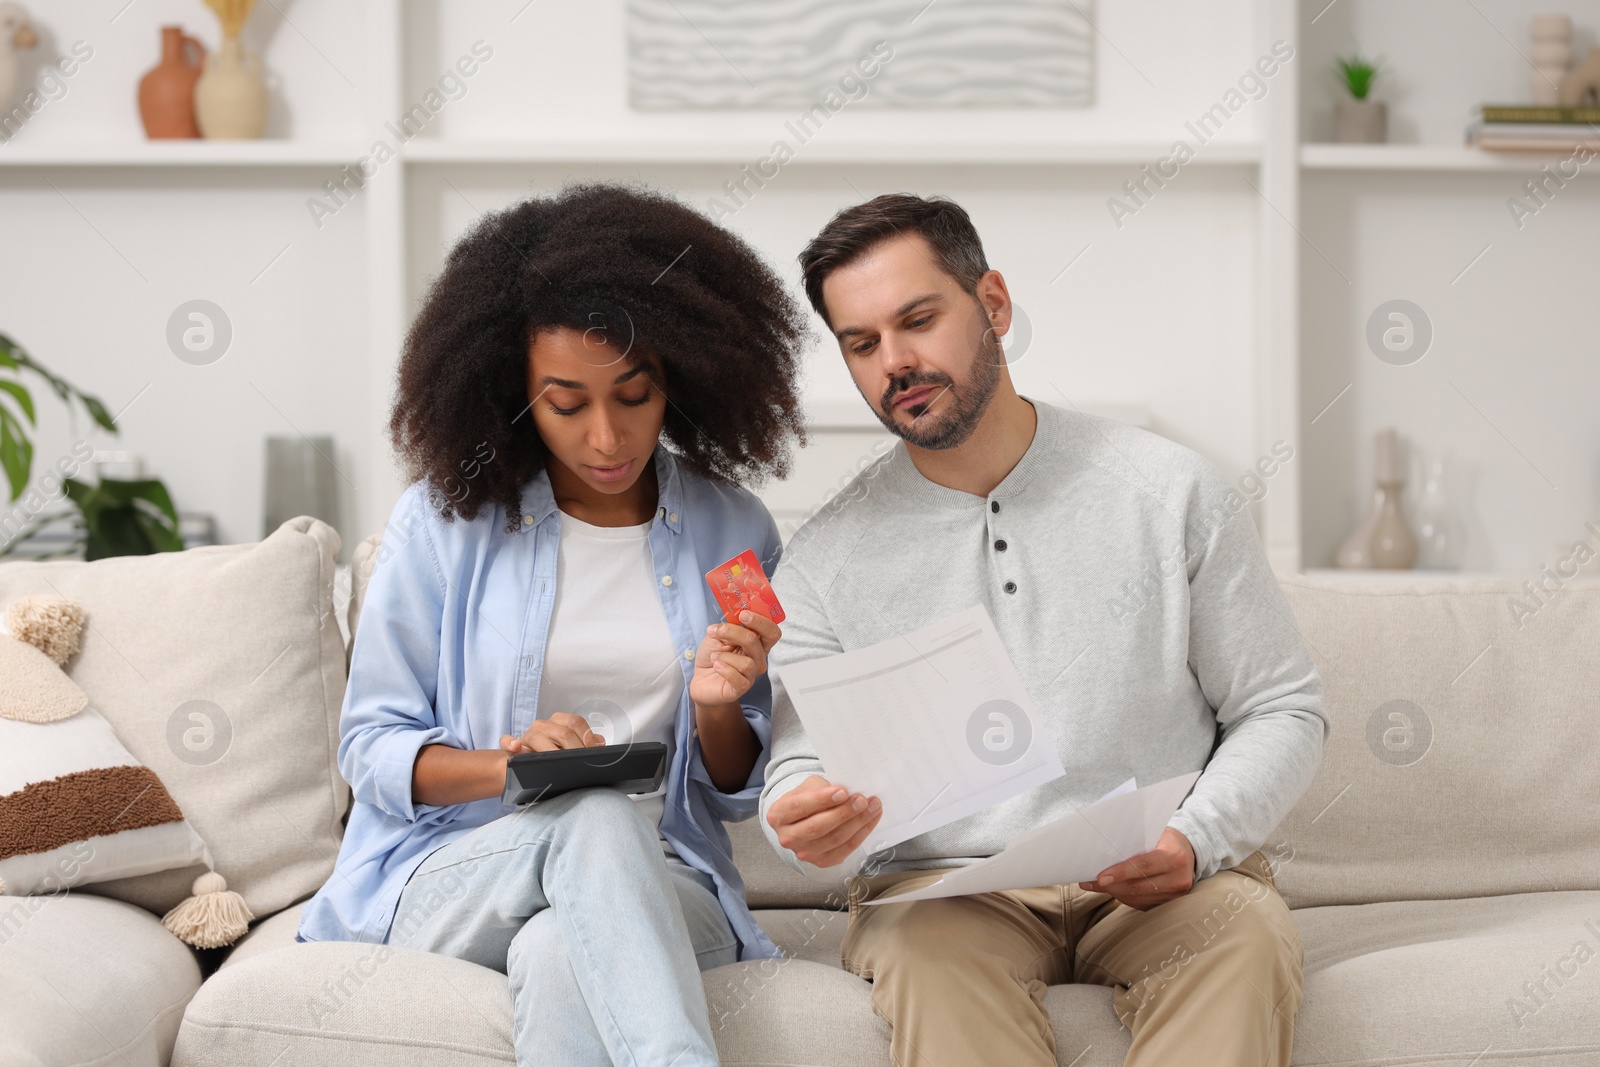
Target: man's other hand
x=1164, y=873
x=822, y=823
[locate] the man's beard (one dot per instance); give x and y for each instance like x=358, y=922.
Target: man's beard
x=966, y=408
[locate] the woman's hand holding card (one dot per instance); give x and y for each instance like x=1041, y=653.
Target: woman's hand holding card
x=731, y=658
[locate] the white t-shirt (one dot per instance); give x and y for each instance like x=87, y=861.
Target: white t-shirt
x=609, y=656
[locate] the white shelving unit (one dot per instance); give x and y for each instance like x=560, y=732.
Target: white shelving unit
x=1275, y=162
x=1271, y=166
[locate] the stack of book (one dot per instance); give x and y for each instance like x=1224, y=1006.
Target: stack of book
x=1508, y=128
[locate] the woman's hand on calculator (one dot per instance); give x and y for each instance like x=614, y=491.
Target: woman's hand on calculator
x=561, y=730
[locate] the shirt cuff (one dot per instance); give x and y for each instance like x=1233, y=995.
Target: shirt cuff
x=391, y=778
x=1207, y=854
x=783, y=787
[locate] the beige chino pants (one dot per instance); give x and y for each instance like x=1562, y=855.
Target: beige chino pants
x=1212, y=977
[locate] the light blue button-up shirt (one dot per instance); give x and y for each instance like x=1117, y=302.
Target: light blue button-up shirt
x=449, y=649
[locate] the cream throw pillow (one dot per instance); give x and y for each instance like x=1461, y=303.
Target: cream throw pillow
x=75, y=806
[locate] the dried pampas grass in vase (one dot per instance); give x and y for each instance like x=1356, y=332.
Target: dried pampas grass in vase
x=232, y=14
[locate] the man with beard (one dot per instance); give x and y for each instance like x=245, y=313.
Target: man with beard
x=1131, y=591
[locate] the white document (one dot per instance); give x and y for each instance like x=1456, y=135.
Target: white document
x=1076, y=848
x=935, y=723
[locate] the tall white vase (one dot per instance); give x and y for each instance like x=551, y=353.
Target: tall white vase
x=230, y=99
x=1551, y=56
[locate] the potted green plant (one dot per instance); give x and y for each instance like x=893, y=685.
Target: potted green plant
x=1361, y=120
x=110, y=518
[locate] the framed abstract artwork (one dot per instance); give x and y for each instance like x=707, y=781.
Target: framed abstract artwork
x=752, y=54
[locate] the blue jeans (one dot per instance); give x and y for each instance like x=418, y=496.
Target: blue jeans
x=602, y=935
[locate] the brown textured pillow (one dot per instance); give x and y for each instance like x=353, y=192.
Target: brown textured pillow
x=76, y=808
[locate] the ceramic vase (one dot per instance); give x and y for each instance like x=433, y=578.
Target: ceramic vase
x=1363, y=122
x=1551, y=56
x=230, y=99
x=1355, y=551
x=166, y=92
x=1383, y=540
x=1439, y=531
x=1394, y=547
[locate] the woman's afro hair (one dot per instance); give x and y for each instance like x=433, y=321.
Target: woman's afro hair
x=647, y=273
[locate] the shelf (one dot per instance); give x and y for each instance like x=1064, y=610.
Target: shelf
x=439, y=151
x=1389, y=577
x=1047, y=153
x=186, y=153
x=1420, y=157
x=1584, y=577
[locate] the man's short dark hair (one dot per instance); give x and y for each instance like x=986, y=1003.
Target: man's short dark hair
x=851, y=233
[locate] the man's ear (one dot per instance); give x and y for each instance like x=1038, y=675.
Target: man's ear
x=995, y=299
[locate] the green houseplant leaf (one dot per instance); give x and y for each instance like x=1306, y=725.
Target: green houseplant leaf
x=1357, y=72
x=16, y=450
x=126, y=518
x=118, y=518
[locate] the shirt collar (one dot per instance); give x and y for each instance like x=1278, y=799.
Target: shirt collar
x=1047, y=438
x=539, y=503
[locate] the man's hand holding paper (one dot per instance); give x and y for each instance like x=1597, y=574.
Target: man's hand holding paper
x=822, y=823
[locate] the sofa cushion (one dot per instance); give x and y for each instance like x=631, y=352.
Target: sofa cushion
x=1460, y=761
x=89, y=981
x=273, y=932
x=1508, y=980
x=361, y=1004
x=362, y=562
x=771, y=883
x=222, y=670
x=349, y=1003
x=1488, y=980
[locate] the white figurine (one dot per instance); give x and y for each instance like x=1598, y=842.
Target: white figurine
x=16, y=32
x=1552, y=57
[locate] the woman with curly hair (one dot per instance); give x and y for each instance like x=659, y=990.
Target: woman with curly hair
x=590, y=383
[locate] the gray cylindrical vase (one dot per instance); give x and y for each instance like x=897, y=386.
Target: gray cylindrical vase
x=1362, y=122
x=301, y=480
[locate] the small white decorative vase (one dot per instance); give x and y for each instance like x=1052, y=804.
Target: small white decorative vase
x=230, y=99
x=1551, y=56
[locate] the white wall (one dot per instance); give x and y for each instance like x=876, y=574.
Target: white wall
x=1510, y=386
x=563, y=73
x=1158, y=314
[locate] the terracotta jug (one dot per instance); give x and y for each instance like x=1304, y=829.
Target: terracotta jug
x=166, y=93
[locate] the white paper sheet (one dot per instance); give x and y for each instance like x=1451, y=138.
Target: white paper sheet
x=936, y=723
x=1076, y=848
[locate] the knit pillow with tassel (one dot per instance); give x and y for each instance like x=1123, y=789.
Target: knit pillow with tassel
x=75, y=806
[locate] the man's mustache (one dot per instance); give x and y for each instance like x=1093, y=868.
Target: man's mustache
x=896, y=388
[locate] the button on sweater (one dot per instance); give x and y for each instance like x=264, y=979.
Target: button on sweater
x=1131, y=591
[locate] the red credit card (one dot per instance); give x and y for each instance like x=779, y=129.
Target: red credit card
x=740, y=583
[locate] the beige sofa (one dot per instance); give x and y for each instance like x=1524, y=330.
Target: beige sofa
x=1444, y=867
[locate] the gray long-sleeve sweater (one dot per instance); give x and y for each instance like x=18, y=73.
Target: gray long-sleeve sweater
x=1130, y=589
